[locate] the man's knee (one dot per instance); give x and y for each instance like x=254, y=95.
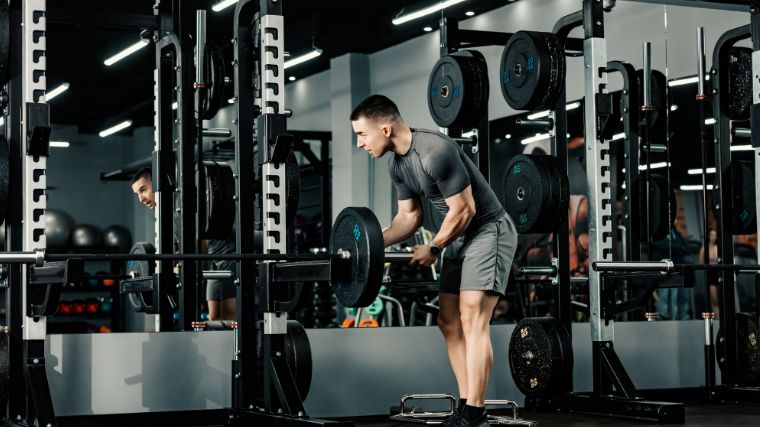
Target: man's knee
x=448, y=323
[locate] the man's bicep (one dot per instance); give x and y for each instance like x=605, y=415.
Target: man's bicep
x=461, y=200
x=410, y=206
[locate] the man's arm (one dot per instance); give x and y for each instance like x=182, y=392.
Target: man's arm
x=405, y=223
x=461, y=211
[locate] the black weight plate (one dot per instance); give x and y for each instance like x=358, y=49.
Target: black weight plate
x=743, y=210
x=536, y=193
x=141, y=269
x=4, y=175
x=215, y=72
x=5, y=43
x=297, y=355
x=748, y=349
x=5, y=368
x=662, y=209
x=739, y=98
x=659, y=97
x=357, y=231
x=540, y=356
x=532, y=70
x=219, y=186
x=458, y=89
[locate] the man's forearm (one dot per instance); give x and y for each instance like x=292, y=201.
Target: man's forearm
x=402, y=227
x=454, y=224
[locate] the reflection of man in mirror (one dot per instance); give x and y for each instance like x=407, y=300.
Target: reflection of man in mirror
x=221, y=294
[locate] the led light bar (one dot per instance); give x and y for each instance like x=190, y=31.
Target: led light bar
x=112, y=130
x=303, y=58
x=57, y=91
x=426, y=11
x=125, y=53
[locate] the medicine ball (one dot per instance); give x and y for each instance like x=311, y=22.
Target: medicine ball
x=57, y=227
x=117, y=237
x=85, y=236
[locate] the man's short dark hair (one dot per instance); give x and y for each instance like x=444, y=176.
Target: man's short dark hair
x=146, y=173
x=376, y=106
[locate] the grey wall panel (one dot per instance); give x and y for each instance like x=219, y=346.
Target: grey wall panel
x=356, y=371
x=139, y=372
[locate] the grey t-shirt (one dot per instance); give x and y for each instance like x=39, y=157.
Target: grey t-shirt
x=435, y=167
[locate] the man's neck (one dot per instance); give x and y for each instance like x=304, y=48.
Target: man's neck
x=402, y=141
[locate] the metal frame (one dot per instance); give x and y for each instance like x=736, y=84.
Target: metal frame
x=29, y=392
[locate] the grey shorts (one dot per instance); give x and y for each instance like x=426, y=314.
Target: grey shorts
x=480, y=260
x=220, y=289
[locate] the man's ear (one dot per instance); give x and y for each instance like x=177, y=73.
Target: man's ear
x=387, y=130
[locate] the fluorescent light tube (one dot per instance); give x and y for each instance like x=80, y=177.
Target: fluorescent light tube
x=125, y=53
x=57, y=91
x=303, y=58
x=747, y=147
x=424, y=12
x=537, y=137
x=698, y=171
x=112, y=130
x=224, y=4
x=695, y=187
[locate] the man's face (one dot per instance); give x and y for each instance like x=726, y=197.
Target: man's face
x=143, y=188
x=372, y=136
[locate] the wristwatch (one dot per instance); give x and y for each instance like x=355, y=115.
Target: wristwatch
x=434, y=249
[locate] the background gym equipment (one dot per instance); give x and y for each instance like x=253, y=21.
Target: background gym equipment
x=116, y=237
x=743, y=202
x=4, y=166
x=536, y=193
x=219, y=187
x=532, y=70
x=5, y=41
x=58, y=225
x=216, y=75
x=738, y=101
x=458, y=89
x=540, y=356
x=661, y=208
x=748, y=342
x=297, y=353
x=85, y=236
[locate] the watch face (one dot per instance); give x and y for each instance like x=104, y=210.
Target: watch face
x=435, y=250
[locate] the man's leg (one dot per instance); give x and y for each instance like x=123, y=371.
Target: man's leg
x=476, y=308
x=451, y=327
x=214, y=310
x=229, y=309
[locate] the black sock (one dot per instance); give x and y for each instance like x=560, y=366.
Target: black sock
x=473, y=413
x=462, y=403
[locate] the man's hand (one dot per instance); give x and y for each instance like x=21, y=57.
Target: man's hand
x=422, y=256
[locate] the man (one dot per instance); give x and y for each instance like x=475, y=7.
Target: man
x=478, y=235
x=220, y=293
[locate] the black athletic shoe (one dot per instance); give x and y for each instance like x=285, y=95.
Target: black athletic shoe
x=453, y=419
x=459, y=421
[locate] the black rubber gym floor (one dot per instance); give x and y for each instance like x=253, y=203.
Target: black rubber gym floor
x=698, y=415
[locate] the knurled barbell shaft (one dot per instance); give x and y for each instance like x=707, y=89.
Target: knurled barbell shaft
x=36, y=256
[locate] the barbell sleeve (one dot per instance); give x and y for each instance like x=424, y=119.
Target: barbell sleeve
x=664, y=266
x=544, y=124
x=471, y=140
x=212, y=274
x=741, y=132
x=217, y=133
x=538, y=271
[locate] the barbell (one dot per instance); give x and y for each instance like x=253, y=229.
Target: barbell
x=354, y=264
